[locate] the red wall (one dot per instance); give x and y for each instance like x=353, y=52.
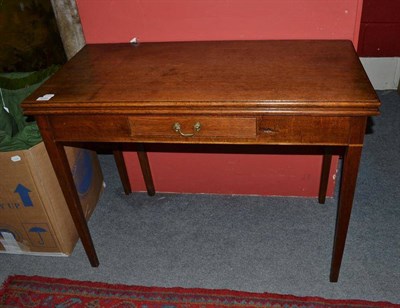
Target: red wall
x=107, y=21
x=181, y=20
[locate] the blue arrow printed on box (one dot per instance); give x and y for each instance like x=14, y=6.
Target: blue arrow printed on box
x=24, y=195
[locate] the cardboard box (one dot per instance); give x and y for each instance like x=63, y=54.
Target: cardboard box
x=34, y=217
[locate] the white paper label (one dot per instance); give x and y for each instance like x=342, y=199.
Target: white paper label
x=45, y=97
x=16, y=158
x=9, y=243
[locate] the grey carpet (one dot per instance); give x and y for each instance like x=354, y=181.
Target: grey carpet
x=261, y=244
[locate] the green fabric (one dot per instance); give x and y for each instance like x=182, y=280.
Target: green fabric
x=23, y=140
x=7, y=123
x=15, y=81
x=15, y=132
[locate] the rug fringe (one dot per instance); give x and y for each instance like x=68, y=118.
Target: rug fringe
x=192, y=291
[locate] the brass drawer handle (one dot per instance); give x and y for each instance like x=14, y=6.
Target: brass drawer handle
x=177, y=128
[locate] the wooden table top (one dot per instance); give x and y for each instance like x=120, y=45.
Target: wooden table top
x=268, y=76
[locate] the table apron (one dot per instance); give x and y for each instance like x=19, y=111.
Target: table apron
x=285, y=129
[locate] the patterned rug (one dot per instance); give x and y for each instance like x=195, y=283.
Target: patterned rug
x=35, y=291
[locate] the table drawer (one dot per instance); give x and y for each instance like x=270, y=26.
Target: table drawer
x=304, y=130
x=193, y=127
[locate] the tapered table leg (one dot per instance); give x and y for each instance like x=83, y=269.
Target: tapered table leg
x=323, y=186
x=123, y=174
x=351, y=161
x=62, y=170
x=146, y=171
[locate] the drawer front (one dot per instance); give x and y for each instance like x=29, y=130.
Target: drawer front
x=193, y=127
x=304, y=130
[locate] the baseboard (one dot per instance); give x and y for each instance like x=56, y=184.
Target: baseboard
x=384, y=73
x=398, y=88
